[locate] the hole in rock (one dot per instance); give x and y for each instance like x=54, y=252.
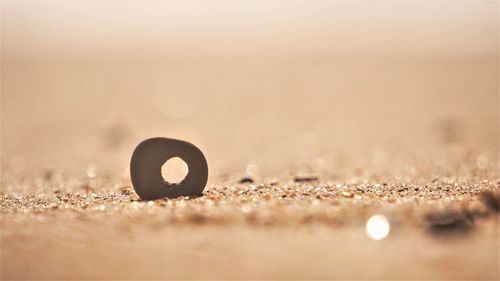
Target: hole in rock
x=174, y=170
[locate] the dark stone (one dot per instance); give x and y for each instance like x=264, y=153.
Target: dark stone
x=246, y=180
x=491, y=200
x=305, y=179
x=448, y=222
x=147, y=160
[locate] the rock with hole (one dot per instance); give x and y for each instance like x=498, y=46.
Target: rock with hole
x=148, y=159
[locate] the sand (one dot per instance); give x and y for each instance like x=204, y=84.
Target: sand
x=331, y=114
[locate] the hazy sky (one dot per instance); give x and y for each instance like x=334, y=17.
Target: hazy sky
x=59, y=29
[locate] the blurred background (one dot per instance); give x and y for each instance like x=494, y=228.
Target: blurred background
x=268, y=88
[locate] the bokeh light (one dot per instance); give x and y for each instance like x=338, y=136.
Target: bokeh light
x=378, y=227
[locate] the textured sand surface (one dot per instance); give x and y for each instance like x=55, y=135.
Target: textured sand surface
x=393, y=113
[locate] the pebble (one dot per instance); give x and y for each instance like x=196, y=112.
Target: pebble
x=491, y=200
x=246, y=180
x=305, y=179
x=448, y=222
x=148, y=159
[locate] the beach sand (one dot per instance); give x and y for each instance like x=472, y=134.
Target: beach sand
x=331, y=123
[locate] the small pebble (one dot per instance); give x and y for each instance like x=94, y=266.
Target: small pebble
x=491, y=200
x=246, y=180
x=306, y=179
x=448, y=222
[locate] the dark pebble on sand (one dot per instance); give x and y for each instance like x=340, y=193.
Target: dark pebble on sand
x=491, y=200
x=305, y=179
x=448, y=222
x=246, y=180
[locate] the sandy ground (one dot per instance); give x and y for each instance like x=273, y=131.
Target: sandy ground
x=405, y=125
x=258, y=231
